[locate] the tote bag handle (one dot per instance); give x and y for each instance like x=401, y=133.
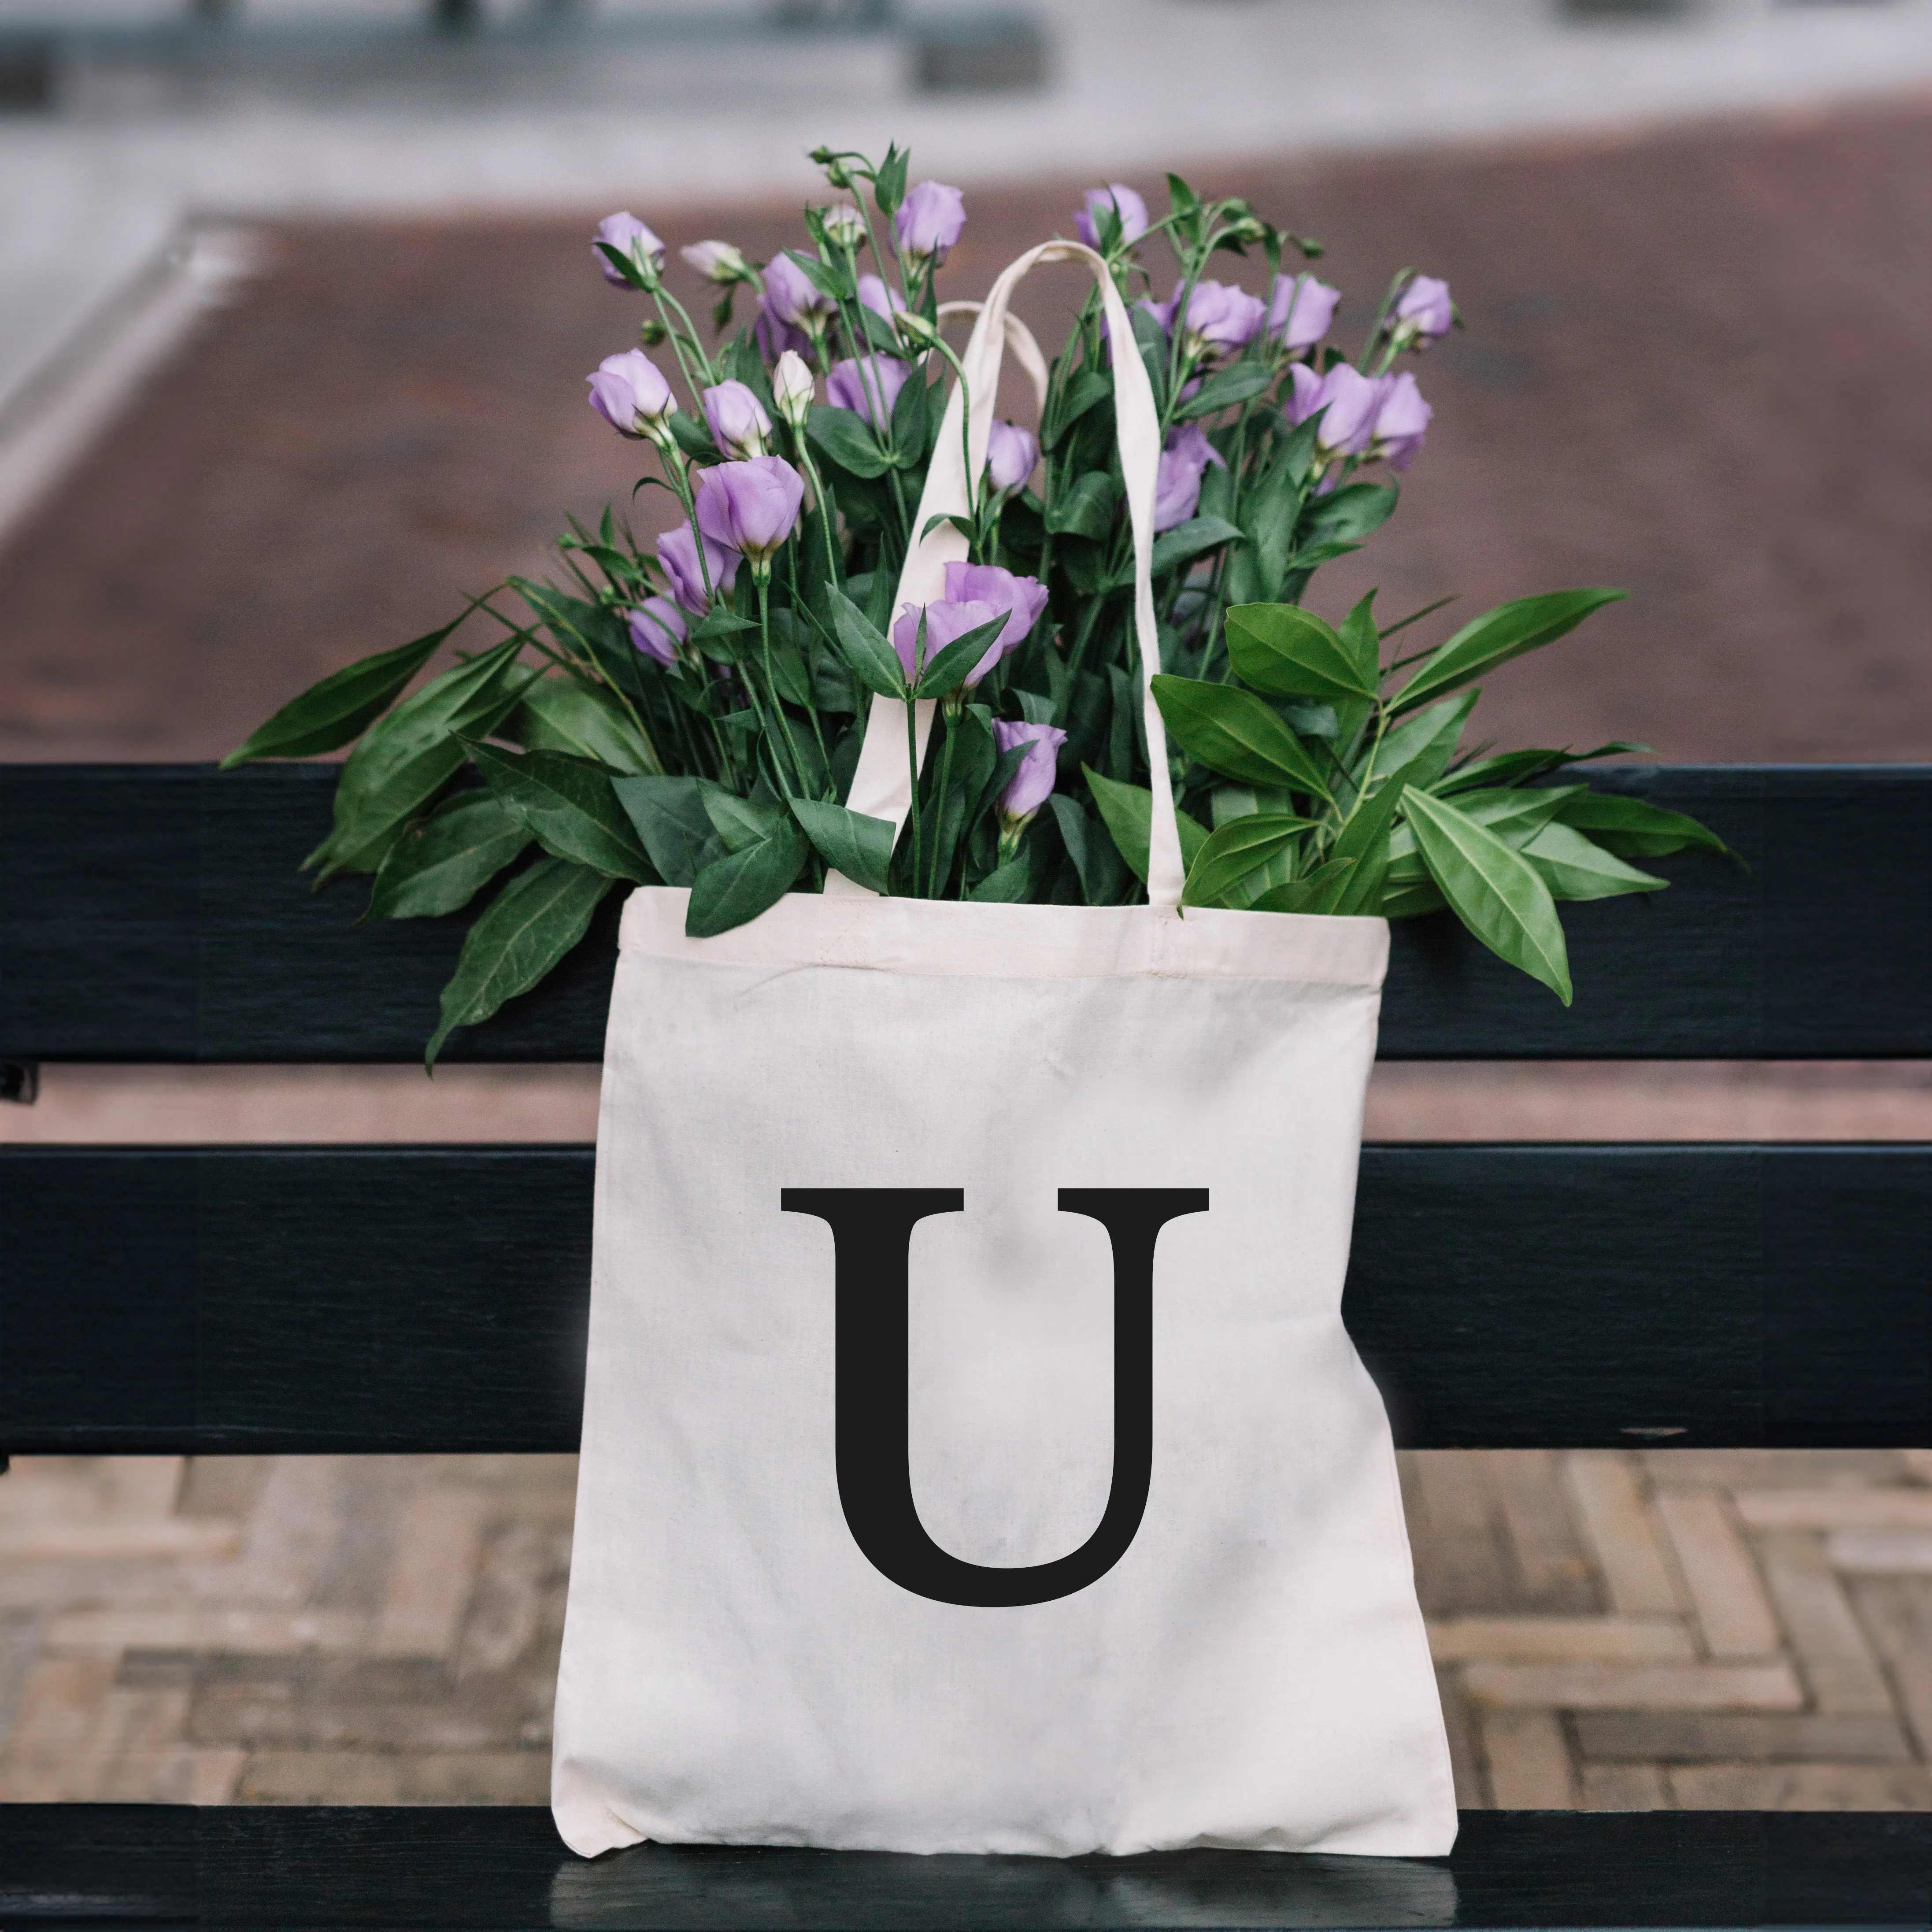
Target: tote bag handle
x=882, y=784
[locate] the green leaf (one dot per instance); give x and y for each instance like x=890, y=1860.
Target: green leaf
x=671, y=820
x=1233, y=732
x=693, y=437
x=1102, y=876
x=1634, y=829
x=910, y=410
x=1347, y=516
x=1127, y=812
x=888, y=184
x=1412, y=901
x=1427, y=742
x=741, y=823
x=739, y=886
x=1187, y=540
x=1286, y=652
x=559, y=714
x=328, y=715
x=1010, y=885
x=873, y=662
x=523, y=931
x=569, y=807
x=946, y=670
x=1069, y=403
x=440, y=862
x=1240, y=384
x=1086, y=509
x=405, y=758
x=1364, y=641
x=1515, y=815
x=1573, y=867
x=843, y=436
x=1498, y=895
x=827, y=278
x=1318, y=892
x=848, y=841
x=1498, y=635
x=1239, y=849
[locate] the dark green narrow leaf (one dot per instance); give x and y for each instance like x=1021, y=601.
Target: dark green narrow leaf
x=1286, y=652
x=842, y=435
x=1498, y=894
x=1102, y=876
x=946, y=670
x=1233, y=732
x=1240, y=384
x=1636, y=829
x=848, y=841
x=328, y=715
x=558, y=714
x=1086, y=509
x=1011, y=884
x=1235, y=852
x=440, y=862
x=737, y=888
x=873, y=662
x=1187, y=540
x=1127, y=812
x=1573, y=867
x=523, y=931
x=1498, y=635
x=569, y=806
x=670, y=819
x=1318, y=892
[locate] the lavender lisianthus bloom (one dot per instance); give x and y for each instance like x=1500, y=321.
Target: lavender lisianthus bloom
x=630, y=237
x=774, y=336
x=1402, y=423
x=677, y=553
x=1123, y=200
x=1302, y=308
x=738, y=422
x=947, y=620
x=1352, y=400
x=657, y=627
x=630, y=393
x=752, y=507
x=1022, y=598
x=874, y=295
x=792, y=296
x=1424, y=313
x=930, y=221
x=1011, y=454
x=869, y=385
x=1177, y=489
x=1222, y=319
x=1032, y=785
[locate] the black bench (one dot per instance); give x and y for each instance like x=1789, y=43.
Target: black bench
x=301, y=1299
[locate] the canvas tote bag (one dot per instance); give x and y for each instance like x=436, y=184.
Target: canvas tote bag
x=973, y=1457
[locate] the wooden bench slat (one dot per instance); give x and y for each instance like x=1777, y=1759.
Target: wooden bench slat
x=153, y=913
x=341, y=1299
x=284, y=1866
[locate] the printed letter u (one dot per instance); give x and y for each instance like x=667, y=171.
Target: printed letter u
x=872, y=1230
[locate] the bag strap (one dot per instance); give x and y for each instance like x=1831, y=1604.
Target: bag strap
x=882, y=784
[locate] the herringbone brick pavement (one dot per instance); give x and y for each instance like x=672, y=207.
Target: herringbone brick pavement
x=1614, y=1630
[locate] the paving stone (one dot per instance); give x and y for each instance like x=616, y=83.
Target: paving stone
x=1608, y=1488
x=431, y=1571
x=1837, y=1662
x=1801, y=1787
x=1888, y=1552
x=57, y=1744
x=1618, y=1640
x=370, y=1777
x=1643, y=1735
x=1614, y=1687
x=1838, y=1508
x=1726, y=1592
x=1556, y=1575
x=1466, y=1750
x=1528, y=1760
x=208, y=1627
x=113, y=1541
x=1623, y=1787
x=1897, y=1612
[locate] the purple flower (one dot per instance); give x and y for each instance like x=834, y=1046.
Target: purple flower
x=718, y=262
x=1222, y=319
x=657, y=627
x=752, y=506
x=868, y=386
x=1011, y=454
x=1032, y=785
x=630, y=393
x=875, y=295
x=1352, y=400
x=1301, y=311
x=629, y=237
x=677, y=553
x=1176, y=488
x=1023, y=598
x=1118, y=197
x=1402, y=423
x=792, y=296
x=930, y=221
x=1424, y=314
x=738, y=421
x=947, y=620
x=774, y=337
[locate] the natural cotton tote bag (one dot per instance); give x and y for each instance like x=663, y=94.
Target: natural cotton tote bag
x=974, y=1460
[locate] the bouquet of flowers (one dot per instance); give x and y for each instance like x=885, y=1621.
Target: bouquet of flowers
x=691, y=715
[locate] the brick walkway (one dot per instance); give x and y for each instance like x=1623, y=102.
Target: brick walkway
x=1618, y=1631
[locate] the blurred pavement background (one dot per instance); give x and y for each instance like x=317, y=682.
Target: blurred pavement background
x=296, y=301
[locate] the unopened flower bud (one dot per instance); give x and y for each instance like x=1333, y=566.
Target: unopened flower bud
x=845, y=225
x=737, y=421
x=915, y=330
x=638, y=248
x=1424, y=313
x=792, y=387
x=836, y=172
x=630, y=393
x=718, y=262
x=652, y=333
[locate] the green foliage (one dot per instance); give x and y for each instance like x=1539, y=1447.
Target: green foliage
x=441, y=862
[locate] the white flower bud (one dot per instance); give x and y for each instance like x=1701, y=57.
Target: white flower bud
x=914, y=329
x=845, y=225
x=717, y=262
x=792, y=387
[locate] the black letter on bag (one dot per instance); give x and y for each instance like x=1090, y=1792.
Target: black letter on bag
x=871, y=1229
